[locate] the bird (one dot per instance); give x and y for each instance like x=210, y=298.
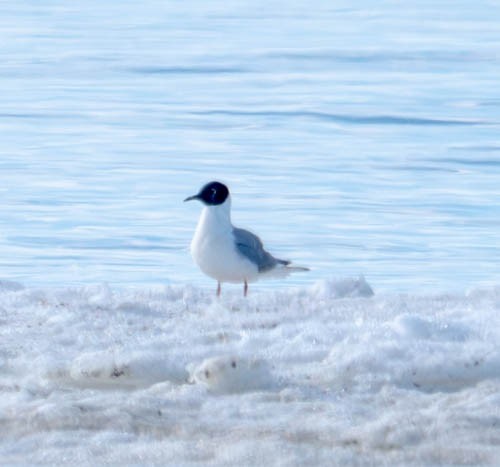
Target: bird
x=227, y=253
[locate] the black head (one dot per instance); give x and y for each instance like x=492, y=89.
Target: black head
x=212, y=194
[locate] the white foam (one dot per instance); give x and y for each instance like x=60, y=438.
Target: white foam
x=231, y=374
x=325, y=372
x=344, y=287
x=126, y=368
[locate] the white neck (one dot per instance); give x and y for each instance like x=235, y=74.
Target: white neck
x=216, y=218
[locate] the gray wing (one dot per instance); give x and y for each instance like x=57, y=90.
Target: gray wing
x=250, y=246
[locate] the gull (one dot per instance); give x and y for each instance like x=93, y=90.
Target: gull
x=227, y=253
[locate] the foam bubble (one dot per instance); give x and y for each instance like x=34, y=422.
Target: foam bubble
x=129, y=368
x=232, y=374
x=342, y=288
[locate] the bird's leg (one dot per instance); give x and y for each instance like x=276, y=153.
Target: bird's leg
x=218, y=289
x=245, y=289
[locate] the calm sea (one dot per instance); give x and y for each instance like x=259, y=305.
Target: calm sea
x=356, y=137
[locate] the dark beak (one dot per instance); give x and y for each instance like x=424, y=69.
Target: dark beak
x=190, y=198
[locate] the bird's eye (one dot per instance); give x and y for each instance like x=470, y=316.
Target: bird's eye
x=214, y=192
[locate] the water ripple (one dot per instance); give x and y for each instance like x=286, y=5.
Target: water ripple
x=344, y=118
x=185, y=70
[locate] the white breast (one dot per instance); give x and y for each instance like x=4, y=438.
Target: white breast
x=213, y=247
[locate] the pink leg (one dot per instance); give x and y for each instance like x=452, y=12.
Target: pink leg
x=218, y=289
x=245, y=289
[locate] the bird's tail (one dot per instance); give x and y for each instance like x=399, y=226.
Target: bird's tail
x=297, y=268
x=282, y=269
x=287, y=265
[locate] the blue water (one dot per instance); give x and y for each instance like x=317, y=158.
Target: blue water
x=357, y=138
